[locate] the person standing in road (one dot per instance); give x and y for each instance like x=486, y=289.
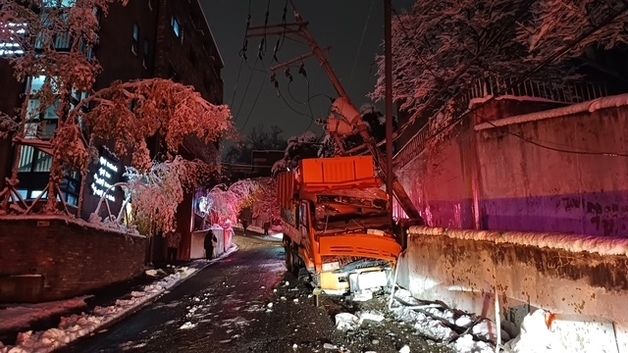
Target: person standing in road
x=173, y=240
x=266, y=227
x=209, y=244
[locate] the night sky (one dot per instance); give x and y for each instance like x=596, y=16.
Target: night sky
x=352, y=28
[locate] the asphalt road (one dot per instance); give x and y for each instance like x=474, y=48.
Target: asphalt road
x=248, y=303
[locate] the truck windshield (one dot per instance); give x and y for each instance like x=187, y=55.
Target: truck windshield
x=351, y=209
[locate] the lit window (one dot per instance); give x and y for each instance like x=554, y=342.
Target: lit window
x=33, y=160
x=59, y=3
x=37, y=82
x=135, y=39
x=10, y=47
x=176, y=28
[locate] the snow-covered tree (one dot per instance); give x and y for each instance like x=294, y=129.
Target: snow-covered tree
x=306, y=145
x=441, y=47
x=53, y=38
x=226, y=202
x=127, y=113
x=51, y=41
x=265, y=201
x=556, y=22
x=157, y=193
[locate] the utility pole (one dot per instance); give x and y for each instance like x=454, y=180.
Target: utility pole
x=298, y=31
x=388, y=101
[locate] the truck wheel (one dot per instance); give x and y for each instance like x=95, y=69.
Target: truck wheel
x=295, y=260
x=288, y=250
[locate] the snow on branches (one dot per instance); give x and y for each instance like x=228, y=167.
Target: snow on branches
x=157, y=193
x=556, y=22
x=226, y=202
x=441, y=47
x=265, y=203
x=306, y=145
x=128, y=113
x=53, y=38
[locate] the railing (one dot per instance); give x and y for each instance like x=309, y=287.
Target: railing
x=568, y=93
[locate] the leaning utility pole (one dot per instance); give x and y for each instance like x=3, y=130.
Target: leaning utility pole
x=345, y=118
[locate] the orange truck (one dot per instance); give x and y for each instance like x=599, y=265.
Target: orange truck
x=336, y=224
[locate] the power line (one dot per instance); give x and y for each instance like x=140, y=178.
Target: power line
x=362, y=36
x=259, y=91
x=248, y=85
x=563, y=150
x=237, y=81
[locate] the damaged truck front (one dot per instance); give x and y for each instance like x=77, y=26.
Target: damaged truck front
x=336, y=224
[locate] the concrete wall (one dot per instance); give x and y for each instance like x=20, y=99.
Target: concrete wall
x=590, y=288
x=47, y=259
x=525, y=187
x=491, y=179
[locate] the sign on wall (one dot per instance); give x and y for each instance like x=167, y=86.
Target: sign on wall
x=104, y=178
x=103, y=173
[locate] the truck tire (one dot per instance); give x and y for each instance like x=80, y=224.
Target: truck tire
x=295, y=259
x=287, y=247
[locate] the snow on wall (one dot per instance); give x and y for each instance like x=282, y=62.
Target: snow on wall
x=589, y=106
x=568, y=242
x=465, y=268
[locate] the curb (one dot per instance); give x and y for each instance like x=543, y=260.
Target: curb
x=131, y=310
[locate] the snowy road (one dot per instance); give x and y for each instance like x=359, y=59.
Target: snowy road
x=243, y=304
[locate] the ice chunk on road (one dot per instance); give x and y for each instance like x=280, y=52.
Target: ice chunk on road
x=405, y=349
x=347, y=321
x=370, y=316
x=466, y=344
x=464, y=321
x=187, y=325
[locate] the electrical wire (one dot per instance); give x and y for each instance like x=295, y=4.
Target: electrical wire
x=246, y=88
x=237, y=81
x=259, y=91
x=362, y=36
x=562, y=150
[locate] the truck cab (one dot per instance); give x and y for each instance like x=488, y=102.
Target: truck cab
x=336, y=224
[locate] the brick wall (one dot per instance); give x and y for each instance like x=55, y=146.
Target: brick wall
x=43, y=260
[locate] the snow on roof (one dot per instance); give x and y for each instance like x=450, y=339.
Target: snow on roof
x=481, y=100
x=570, y=242
x=588, y=106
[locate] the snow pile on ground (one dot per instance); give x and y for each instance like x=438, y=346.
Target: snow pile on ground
x=535, y=336
x=465, y=333
x=19, y=317
x=74, y=326
x=466, y=344
x=424, y=324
